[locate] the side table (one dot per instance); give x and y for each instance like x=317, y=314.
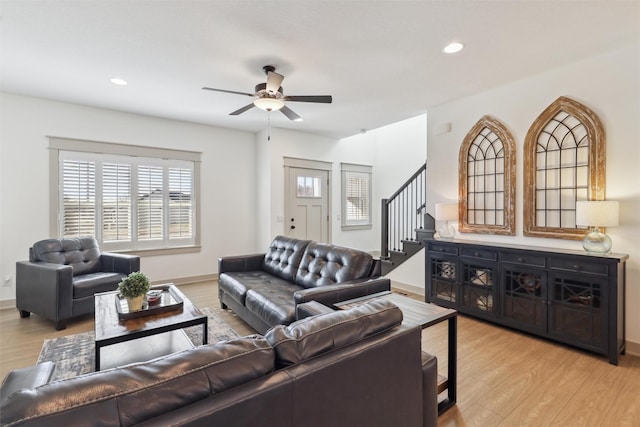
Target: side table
x=418, y=313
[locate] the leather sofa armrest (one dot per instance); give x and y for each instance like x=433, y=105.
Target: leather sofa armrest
x=119, y=263
x=240, y=263
x=429, y=390
x=24, y=378
x=332, y=294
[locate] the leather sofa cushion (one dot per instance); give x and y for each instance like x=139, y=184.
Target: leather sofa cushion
x=319, y=334
x=237, y=284
x=87, y=285
x=145, y=390
x=283, y=257
x=324, y=264
x=273, y=302
x=82, y=254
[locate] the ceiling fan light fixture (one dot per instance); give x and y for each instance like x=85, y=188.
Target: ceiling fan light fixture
x=268, y=104
x=118, y=81
x=453, y=47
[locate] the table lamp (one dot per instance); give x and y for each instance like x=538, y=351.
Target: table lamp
x=446, y=212
x=596, y=214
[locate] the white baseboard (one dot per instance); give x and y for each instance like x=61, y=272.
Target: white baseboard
x=632, y=348
x=6, y=304
x=409, y=288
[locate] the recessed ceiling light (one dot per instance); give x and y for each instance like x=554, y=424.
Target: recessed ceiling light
x=453, y=47
x=118, y=81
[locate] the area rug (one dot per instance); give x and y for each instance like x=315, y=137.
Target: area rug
x=75, y=354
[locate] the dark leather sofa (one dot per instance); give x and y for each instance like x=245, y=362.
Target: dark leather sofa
x=264, y=289
x=62, y=275
x=357, y=367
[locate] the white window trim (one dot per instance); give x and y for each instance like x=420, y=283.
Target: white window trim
x=348, y=169
x=59, y=145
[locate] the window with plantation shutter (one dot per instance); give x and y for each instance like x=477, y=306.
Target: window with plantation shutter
x=356, y=196
x=180, y=202
x=150, y=203
x=79, y=198
x=116, y=202
x=127, y=202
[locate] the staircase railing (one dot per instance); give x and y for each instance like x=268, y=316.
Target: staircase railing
x=402, y=213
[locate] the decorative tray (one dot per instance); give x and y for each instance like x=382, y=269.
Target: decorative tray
x=159, y=299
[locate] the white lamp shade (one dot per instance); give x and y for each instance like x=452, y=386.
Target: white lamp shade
x=446, y=211
x=268, y=104
x=597, y=213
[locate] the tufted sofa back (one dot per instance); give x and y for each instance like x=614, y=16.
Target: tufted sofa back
x=283, y=257
x=82, y=254
x=324, y=264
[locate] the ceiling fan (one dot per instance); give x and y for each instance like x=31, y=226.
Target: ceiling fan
x=270, y=97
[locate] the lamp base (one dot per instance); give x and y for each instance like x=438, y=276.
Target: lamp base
x=446, y=231
x=595, y=241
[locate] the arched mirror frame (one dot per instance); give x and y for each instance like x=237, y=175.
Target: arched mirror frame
x=508, y=180
x=596, y=166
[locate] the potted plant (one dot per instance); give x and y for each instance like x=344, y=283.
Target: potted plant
x=134, y=287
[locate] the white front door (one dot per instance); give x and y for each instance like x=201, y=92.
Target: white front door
x=307, y=212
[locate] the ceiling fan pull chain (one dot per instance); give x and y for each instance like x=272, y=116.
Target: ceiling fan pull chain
x=268, y=125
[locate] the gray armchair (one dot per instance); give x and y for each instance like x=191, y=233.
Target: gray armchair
x=62, y=275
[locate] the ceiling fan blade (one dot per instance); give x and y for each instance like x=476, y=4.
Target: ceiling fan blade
x=274, y=80
x=290, y=114
x=242, y=110
x=228, y=91
x=325, y=99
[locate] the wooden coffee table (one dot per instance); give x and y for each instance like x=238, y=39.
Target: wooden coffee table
x=120, y=342
x=418, y=313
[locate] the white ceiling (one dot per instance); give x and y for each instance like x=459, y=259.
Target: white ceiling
x=381, y=60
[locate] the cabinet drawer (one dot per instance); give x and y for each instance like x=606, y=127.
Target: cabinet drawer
x=443, y=249
x=479, y=253
x=580, y=266
x=523, y=259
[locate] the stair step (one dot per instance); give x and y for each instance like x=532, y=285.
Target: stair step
x=411, y=243
x=386, y=265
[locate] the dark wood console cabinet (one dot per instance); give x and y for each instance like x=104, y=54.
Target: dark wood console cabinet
x=569, y=296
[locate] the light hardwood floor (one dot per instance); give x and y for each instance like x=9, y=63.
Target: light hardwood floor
x=505, y=378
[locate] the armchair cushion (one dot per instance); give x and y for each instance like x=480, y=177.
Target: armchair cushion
x=87, y=285
x=82, y=254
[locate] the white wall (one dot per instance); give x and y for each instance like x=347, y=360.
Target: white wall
x=395, y=152
x=608, y=84
x=227, y=179
x=288, y=143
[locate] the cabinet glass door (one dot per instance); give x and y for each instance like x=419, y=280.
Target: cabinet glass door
x=444, y=275
x=477, y=286
x=524, y=297
x=576, y=313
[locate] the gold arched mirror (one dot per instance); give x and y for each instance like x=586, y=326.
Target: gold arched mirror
x=486, y=187
x=564, y=162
